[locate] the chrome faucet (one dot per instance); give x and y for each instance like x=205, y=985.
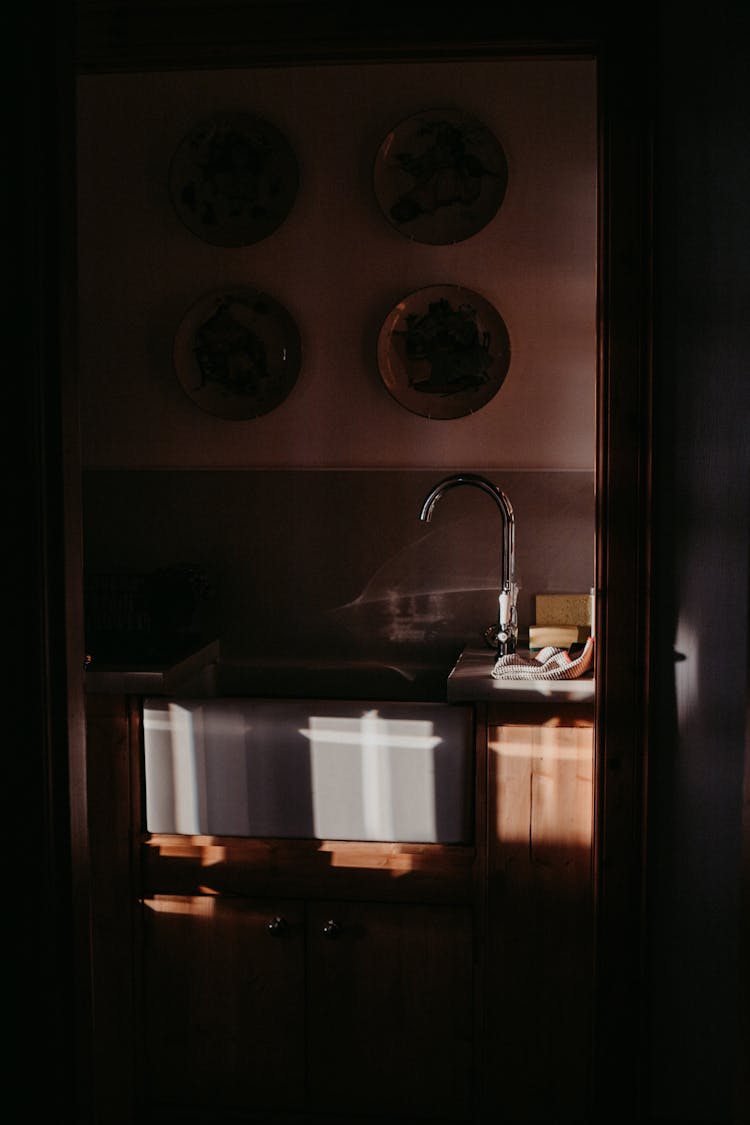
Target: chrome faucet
x=507, y=614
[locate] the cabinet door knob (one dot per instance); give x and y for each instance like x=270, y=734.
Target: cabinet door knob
x=331, y=929
x=277, y=926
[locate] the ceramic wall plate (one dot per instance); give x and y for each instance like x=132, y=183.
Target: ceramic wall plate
x=443, y=352
x=233, y=179
x=440, y=176
x=237, y=353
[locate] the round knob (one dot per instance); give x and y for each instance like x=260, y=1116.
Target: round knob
x=331, y=929
x=490, y=636
x=277, y=926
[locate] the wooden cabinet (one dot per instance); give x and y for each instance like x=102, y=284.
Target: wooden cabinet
x=330, y=1007
x=540, y=923
x=389, y=1001
x=222, y=1008
x=456, y=984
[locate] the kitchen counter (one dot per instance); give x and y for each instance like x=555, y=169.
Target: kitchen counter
x=194, y=668
x=471, y=681
x=155, y=671
x=198, y=671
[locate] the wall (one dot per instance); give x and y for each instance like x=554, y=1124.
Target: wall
x=338, y=563
x=697, y=950
x=339, y=267
x=306, y=518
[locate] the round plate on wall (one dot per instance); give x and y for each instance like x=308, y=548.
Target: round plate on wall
x=233, y=179
x=440, y=176
x=443, y=352
x=237, y=353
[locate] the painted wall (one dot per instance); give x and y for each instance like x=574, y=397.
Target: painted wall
x=339, y=267
x=337, y=563
x=306, y=518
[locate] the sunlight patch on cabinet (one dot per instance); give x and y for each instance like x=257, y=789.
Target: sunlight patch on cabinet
x=543, y=775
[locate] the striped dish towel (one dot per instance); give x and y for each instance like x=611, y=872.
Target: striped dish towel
x=549, y=663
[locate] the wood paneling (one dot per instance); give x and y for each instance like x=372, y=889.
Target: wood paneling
x=539, y=971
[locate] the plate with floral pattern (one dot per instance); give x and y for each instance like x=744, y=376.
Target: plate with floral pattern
x=443, y=351
x=237, y=353
x=233, y=179
x=440, y=176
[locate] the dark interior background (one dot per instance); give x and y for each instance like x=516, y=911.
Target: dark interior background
x=695, y=992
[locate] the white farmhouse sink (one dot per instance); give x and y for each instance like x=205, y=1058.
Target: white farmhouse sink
x=331, y=769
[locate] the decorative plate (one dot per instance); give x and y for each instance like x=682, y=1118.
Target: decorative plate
x=233, y=179
x=237, y=353
x=443, y=352
x=440, y=176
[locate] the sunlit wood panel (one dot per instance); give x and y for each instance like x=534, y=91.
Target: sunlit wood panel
x=539, y=956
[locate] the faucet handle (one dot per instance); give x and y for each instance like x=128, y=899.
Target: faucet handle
x=490, y=635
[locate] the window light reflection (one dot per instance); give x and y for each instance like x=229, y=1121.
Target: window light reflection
x=370, y=761
x=291, y=769
x=172, y=770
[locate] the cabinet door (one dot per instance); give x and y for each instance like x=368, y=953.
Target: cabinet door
x=223, y=1002
x=390, y=1009
x=540, y=910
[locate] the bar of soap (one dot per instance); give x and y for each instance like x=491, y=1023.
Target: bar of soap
x=563, y=609
x=561, y=636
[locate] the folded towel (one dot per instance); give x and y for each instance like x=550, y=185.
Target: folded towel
x=549, y=663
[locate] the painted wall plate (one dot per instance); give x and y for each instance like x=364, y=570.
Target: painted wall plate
x=443, y=351
x=237, y=353
x=440, y=176
x=233, y=179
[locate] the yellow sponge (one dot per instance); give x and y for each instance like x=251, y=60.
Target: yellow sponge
x=563, y=609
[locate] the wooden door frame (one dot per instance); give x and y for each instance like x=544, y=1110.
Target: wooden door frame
x=623, y=507
x=121, y=35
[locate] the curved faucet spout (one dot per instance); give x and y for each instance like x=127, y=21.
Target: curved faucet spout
x=507, y=635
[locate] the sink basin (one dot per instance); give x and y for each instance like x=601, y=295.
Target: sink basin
x=318, y=679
